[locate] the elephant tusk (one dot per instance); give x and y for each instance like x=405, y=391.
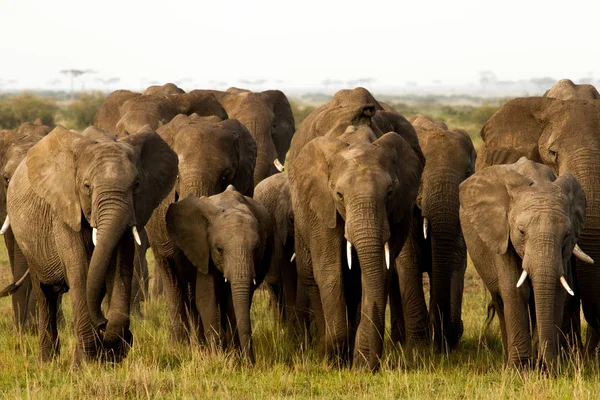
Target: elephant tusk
x=94, y=234
x=581, y=255
x=5, y=226
x=254, y=281
x=349, y=253
x=225, y=280
x=136, y=235
x=387, y=255
x=293, y=257
x=563, y=282
x=425, y=226
x=278, y=165
x=522, y=278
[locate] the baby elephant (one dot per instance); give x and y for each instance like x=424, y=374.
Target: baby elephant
x=228, y=238
x=521, y=224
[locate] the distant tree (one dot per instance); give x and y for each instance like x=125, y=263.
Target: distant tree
x=79, y=113
x=75, y=73
x=108, y=82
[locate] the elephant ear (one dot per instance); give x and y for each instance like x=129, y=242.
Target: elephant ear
x=309, y=177
x=513, y=132
x=51, y=172
x=158, y=171
x=244, y=176
x=266, y=224
x=484, y=203
x=408, y=166
x=571, y=187
x=187, y=224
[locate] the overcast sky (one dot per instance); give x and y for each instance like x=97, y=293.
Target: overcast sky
x=294, y=44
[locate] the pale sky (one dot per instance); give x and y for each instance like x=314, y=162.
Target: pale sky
x=294, y=44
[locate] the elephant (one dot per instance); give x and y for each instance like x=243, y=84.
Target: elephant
x=164, y=90
x=565, y=89
x=287, y=294
x=212, y=155
x=13, y=148
x=76, y=204
x=435, y=244
x=124, y=112
x=352, y=193
x=228, y=239
x=269, y=118
x=521, y=224
x=565, y=135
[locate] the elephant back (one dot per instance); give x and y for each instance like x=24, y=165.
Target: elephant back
x=108, y=115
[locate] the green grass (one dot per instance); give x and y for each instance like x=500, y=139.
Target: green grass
x=156, y=368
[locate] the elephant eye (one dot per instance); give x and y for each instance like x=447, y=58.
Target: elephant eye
x=339, y=195
x=136, y=186
x=521, y=230
x=219, y=249
x=553, y=154
x=390, y=191
x=87, y=186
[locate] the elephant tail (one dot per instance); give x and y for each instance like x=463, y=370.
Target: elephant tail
x=491, y=313
x=13, y=287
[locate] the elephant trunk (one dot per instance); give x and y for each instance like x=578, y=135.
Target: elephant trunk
x=113, y=217
x=198, y=185
x=241, y=293
x=448, y=257
x=367, y=230
x=266, y=153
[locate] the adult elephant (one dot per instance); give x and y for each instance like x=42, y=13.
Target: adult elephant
x=70, y=193
x=521, y=224
x=287, y=294
x=565, y=89
x=352, y=190
x=269, y=118
x=212, y=155
x=228, y=238
x=13, y=148
x=435, y=245
x=163, y=90
x=565, y=135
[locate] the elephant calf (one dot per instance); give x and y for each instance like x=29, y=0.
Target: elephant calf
x=228, y=238
x=521, y=224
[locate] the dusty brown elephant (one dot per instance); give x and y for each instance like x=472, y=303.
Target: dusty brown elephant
x=163, y=90
x=228, y=238
x=565, y=135
x=76, y=204
x=435, y=245
x=565, y=89
x=212, y=155
x=521, y=224
x=13, y=148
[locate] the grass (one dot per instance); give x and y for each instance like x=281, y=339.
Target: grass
x=156, y=368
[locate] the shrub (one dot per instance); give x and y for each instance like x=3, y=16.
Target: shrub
x=26, y=107
x=79, y=113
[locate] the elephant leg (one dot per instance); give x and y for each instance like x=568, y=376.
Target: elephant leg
x=303, y=311
x=175, y=297
x=158, y=280
x=570, y=337
x=396, y=313
x=516, y=320
x=22, y=299
x=47, y=327
x=139, y=287
x=456, y=293
x=208, y=306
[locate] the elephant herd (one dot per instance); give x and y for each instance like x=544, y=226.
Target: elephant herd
x=366, y=203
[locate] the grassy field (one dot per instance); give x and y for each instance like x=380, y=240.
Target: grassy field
x=156, y=368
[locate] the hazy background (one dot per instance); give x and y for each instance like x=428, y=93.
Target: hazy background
x=509, y=47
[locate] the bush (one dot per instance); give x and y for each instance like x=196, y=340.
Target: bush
x=79, y=114
x=300, y=112
x=26, y=107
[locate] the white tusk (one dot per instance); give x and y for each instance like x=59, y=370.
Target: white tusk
x=581, y=255
x=225, y=280
x=563, y=281
x=94, y=234
x=425, y=225
x=349, y=253
x=522, y=278
x=293, y=257
x=254, y=281
x=5, y=226
x=136, y=235
x=278, y=165
x=387, y=255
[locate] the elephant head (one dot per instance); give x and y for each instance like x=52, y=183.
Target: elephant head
x=139, y=111
x=268, y=116
x=212, y=155
x=524, y=212
x=565, y=89
x=111, y=187
x=361, y=190
x=108, y=115
x=163, y=90
x=232, y=234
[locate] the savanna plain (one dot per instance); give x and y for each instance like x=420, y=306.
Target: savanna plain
x=286, y=367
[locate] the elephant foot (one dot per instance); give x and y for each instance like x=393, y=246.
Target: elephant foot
x=117, y=346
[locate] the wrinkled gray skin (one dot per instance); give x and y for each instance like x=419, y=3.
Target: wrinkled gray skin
x=164, y=90
x=565, y=135
x=13, y=148
x=67, y=184
x=358, y=184
x=269, y=118
x=124, y=112
x=212, y=155
x=287, y=294
x=519, y=217
x=450, y=159
x=228, y=239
